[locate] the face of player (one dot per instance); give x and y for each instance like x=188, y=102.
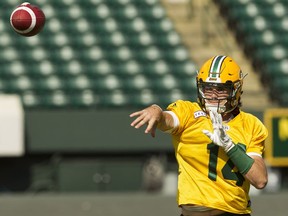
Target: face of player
x=216, y=97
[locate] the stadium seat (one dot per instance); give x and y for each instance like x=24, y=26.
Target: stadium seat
x=30, y=100
x=275, y=69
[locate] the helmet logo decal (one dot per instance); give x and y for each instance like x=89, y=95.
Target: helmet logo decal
x=216, y=66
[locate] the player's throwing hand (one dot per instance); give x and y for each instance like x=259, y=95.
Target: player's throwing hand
x=150, y=116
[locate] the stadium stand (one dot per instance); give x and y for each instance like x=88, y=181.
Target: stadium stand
x=120, y=48
x=260, y=27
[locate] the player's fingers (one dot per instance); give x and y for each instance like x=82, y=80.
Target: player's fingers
x=153, y=131
x=212, y=117
x=146, y=116
x=137, y=123
x=210, y=114
x=219, y=118
x=151, y=127
x=135, y=114
x=208, y=134
x=216, y=120
x=138, y=119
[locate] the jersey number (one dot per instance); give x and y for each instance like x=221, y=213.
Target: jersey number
x=227, y=170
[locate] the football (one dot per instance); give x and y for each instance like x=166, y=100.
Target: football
x=27, y=19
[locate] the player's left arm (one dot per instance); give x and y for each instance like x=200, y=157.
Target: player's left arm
x=251, y=166
x=257, y=174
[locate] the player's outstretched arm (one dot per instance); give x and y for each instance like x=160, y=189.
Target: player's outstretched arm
x=154, y=117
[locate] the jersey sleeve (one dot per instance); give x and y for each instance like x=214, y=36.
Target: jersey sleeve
x=183, y=110
x=260, y=133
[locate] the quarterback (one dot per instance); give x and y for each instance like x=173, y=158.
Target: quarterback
x=218, y=146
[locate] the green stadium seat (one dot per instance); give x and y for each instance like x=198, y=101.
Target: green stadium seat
x=155, y=69
x=128, y=11
x=175, y=94
x=165, y=83
x=176, y=55
x=106, y=83
x=116, y=98
x=162, y=40
x=19, y=84
x=273, y=70
x=184, y=69
x=12, y=69
x=83, y=99
x=142, y=98
x=30, y=99
x=151, y=13
x=127, y=69
x=48, y=84
x=76, y=83
x=3, y=86
x=136, y=83
x=279, y=85
x=98, y=68
x=55, y=99
x=271, y=53
x=282, y=99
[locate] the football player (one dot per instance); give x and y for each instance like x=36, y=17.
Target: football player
x=218, y=146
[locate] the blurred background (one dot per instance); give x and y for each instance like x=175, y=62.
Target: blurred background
x=66, y=144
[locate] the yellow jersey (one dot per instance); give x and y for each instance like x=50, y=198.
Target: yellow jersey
x=207, y=176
